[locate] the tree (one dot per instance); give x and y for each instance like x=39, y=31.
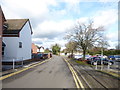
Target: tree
x=47, y=50
x=103, y=44
x=56, y=49
x=71, y=46
x=86, y=35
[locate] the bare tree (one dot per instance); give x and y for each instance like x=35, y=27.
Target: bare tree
x=86, y=35
x=71, y=46
x=103, y=44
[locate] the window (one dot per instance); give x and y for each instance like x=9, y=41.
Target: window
x=3, y=51
x=20, y=44
x=3, y=48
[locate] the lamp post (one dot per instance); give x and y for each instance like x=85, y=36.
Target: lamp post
x=102, y=58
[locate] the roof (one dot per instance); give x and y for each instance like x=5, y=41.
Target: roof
x=3, y=44
x=3, y=17
x=14, y=26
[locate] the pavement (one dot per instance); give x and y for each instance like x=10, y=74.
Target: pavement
x=52, y=74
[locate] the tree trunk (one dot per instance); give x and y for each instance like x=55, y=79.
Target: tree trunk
x=84, y=52
x=72, y=52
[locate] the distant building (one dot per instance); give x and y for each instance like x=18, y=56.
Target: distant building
x=17, y=37
x=41, y=49
x=35, y=49
x=2, y=20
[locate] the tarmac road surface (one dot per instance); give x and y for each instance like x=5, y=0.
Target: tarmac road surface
x=52, y=74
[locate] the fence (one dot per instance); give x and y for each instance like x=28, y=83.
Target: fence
x=10, y=62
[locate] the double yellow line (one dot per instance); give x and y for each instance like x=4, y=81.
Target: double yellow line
x=75, y=76
x=9, y=75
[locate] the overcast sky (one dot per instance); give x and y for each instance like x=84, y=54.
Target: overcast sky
x=51, y=19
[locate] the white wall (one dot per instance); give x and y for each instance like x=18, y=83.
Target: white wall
x=12, y=49
x=25, y=38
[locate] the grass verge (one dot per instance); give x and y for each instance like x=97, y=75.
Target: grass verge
x=110, y=73
x=116, y=75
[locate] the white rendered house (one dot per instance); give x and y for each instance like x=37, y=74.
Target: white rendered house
x=17, y=38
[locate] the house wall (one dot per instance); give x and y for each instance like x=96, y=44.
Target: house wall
x=25, y=38
x=0, y=34
x=2, y=19
x=34, y=48
x=0, y=40
x=12, y=50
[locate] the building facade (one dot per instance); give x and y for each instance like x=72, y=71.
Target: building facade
x=35, y=49
x=2, y=20
x=17, y=38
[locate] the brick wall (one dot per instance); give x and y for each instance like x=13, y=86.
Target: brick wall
x=0, y=33
x=34, y=48
x=2, y=19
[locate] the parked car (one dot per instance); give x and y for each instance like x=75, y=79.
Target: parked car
x=40, y=56
x=78, y=57
x=87, y=57
x=45, y=55
x=50, y=54
x=37, y=56
x=117, y=57
x=112, y=57
x=102, y=60
x=92, y=58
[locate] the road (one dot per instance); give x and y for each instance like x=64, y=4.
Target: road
x=55, y=73
x=52, y=74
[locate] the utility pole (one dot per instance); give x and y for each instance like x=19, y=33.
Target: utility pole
x=102, y=57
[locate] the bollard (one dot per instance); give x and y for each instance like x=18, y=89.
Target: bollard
x=101, y=65
x=96, y=65
x=108, y=65
x=22, y=61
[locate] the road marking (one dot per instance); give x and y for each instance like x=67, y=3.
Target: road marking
x=9, y=75
x=75, y=76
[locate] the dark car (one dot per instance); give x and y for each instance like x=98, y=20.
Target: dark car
x=112, y=57
x=37, y=56
x=93, y=58
x=102, y=60
x=45, y=56
x=117, y=57
x=50, y=54
x=40, y=56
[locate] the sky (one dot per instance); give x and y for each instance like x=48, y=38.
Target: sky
x=51, y=19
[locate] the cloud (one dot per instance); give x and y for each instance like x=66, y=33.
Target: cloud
x=33, y=8
x=112, y=36
x=105, y=17
x=50, y=19
x=52, y=28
